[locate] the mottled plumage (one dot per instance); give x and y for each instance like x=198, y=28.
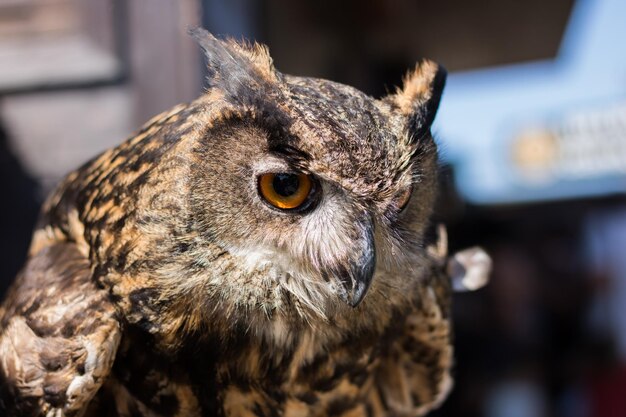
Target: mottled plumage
x=160, y=283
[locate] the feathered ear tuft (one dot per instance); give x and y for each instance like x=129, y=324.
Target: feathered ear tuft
x=233, y=65
x=419, y=97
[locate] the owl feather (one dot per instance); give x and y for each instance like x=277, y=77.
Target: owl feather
x=260, y=251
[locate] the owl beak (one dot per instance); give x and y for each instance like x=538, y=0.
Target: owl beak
x=356, y=279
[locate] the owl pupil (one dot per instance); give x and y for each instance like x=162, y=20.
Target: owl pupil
x=286, y=184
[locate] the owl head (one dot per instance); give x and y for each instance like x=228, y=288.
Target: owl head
x=297, y=194
x=314, y=188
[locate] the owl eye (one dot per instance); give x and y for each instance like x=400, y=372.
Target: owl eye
x=402, y=199
x=286, y=191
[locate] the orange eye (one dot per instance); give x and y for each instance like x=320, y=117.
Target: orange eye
x=403, y=198
x=285, y=190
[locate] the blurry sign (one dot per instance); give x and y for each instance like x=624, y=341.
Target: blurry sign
x=583, y=145
x=544, y=130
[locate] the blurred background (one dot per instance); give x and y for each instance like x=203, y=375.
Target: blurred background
x=532, y=132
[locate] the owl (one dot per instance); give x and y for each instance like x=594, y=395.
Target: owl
x=265, y=250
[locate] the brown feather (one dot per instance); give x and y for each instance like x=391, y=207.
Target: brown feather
x=160, y=284
x=59, y=336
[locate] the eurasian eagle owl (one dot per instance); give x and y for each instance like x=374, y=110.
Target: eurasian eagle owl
x=260, y=251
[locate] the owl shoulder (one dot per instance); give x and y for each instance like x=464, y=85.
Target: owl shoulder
x=58, y=336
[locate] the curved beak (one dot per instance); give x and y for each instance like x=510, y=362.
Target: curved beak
x=355, y=279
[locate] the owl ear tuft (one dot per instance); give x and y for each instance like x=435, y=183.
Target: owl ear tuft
x=419, y=97
x=235, y=65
